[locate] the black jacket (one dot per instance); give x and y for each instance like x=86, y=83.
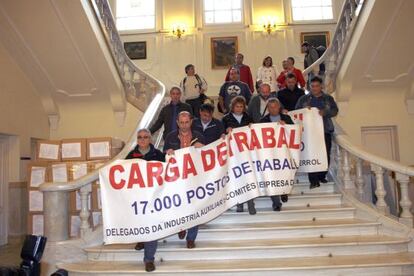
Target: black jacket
x=285, y=118
x=289, y=98
x=213, y=131
x=153, y=155
x=173, y=142
x=230, y=121
x=166, y=116
x=329, y=107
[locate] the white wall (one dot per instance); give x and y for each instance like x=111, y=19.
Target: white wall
x=21, y=112
x=167, y=55
x=384, y=107
x=94, y=119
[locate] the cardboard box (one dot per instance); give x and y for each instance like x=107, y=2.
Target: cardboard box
x=78, y=170
x=35, y=224
x=73, y=150
x=99, y=148
x=37, y=174
x=117, y=146
x=96, y=165
x=48, y=150
x=59, y=172
x=35, y=201
x=96, y=198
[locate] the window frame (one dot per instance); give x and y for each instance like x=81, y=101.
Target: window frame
x=289, y=15
x=223, y=25
x=137, y=31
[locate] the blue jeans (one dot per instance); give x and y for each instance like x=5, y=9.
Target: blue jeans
x=192, y=233
x=149, y=251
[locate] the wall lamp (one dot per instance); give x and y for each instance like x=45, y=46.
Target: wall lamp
x=179, y=30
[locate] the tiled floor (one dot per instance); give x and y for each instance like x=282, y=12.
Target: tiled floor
x=10, y=253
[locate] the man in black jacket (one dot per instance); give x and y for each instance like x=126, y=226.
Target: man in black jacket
x=145, y=150
x=273, y=106
x=290, y=95
x=327, y=109
x=211, y=128
x=168, y=114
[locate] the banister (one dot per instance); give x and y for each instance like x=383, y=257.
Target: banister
x=343, y=141
x=344, y=29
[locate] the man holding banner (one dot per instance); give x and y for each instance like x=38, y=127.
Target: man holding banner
x=274, y=116
x=145, y=150
x=182, y=138
x=327, y=109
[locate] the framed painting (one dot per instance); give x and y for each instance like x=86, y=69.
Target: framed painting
x=315, y=38
x=223, y=50
x=136, y=50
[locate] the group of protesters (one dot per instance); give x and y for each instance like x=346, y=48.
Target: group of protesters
x=188, y=119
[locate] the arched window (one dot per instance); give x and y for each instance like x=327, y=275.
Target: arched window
x=311, y=10
x=135, y=14
x=222, y=11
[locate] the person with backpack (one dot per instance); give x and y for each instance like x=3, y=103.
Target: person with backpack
x=194, y=87
x=311, y=55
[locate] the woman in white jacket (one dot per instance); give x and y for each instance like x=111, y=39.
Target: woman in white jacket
x=267, y=74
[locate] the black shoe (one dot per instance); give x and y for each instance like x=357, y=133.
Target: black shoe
x=314, y=185
x=149, y=266
x=239, y=208
x=250, y=206
x=284, y=198
x=181, y=234
x=277, y=208
x=190, y=244
x=324, y=180
x=139, y=246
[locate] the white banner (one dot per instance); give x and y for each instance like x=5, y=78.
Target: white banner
x=145, y=201
x=313, y=156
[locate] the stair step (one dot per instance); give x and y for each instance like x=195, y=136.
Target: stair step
x=254, y=249
x=303, y=187
x=285, y=229
x=302, y=200
x=375, y=264
x=286, y=214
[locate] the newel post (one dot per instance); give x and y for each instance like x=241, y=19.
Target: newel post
x=405, y=217
x=56, y=215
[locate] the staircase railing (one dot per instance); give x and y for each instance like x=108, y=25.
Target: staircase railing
x=333, y=56
x=350, y=161
x=142, y=91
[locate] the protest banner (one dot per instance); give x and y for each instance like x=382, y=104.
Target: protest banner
x=145, y=201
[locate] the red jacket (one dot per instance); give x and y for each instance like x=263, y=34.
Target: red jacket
x=282, y=78
x=245, y=76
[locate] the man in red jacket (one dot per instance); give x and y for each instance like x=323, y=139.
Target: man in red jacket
x=281, y=80
x=244, y=71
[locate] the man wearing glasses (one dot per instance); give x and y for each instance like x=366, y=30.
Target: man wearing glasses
x=145, y=150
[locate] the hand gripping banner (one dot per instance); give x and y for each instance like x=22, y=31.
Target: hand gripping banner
x=145, y=201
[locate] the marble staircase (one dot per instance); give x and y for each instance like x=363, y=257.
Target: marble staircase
x=316, y=233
